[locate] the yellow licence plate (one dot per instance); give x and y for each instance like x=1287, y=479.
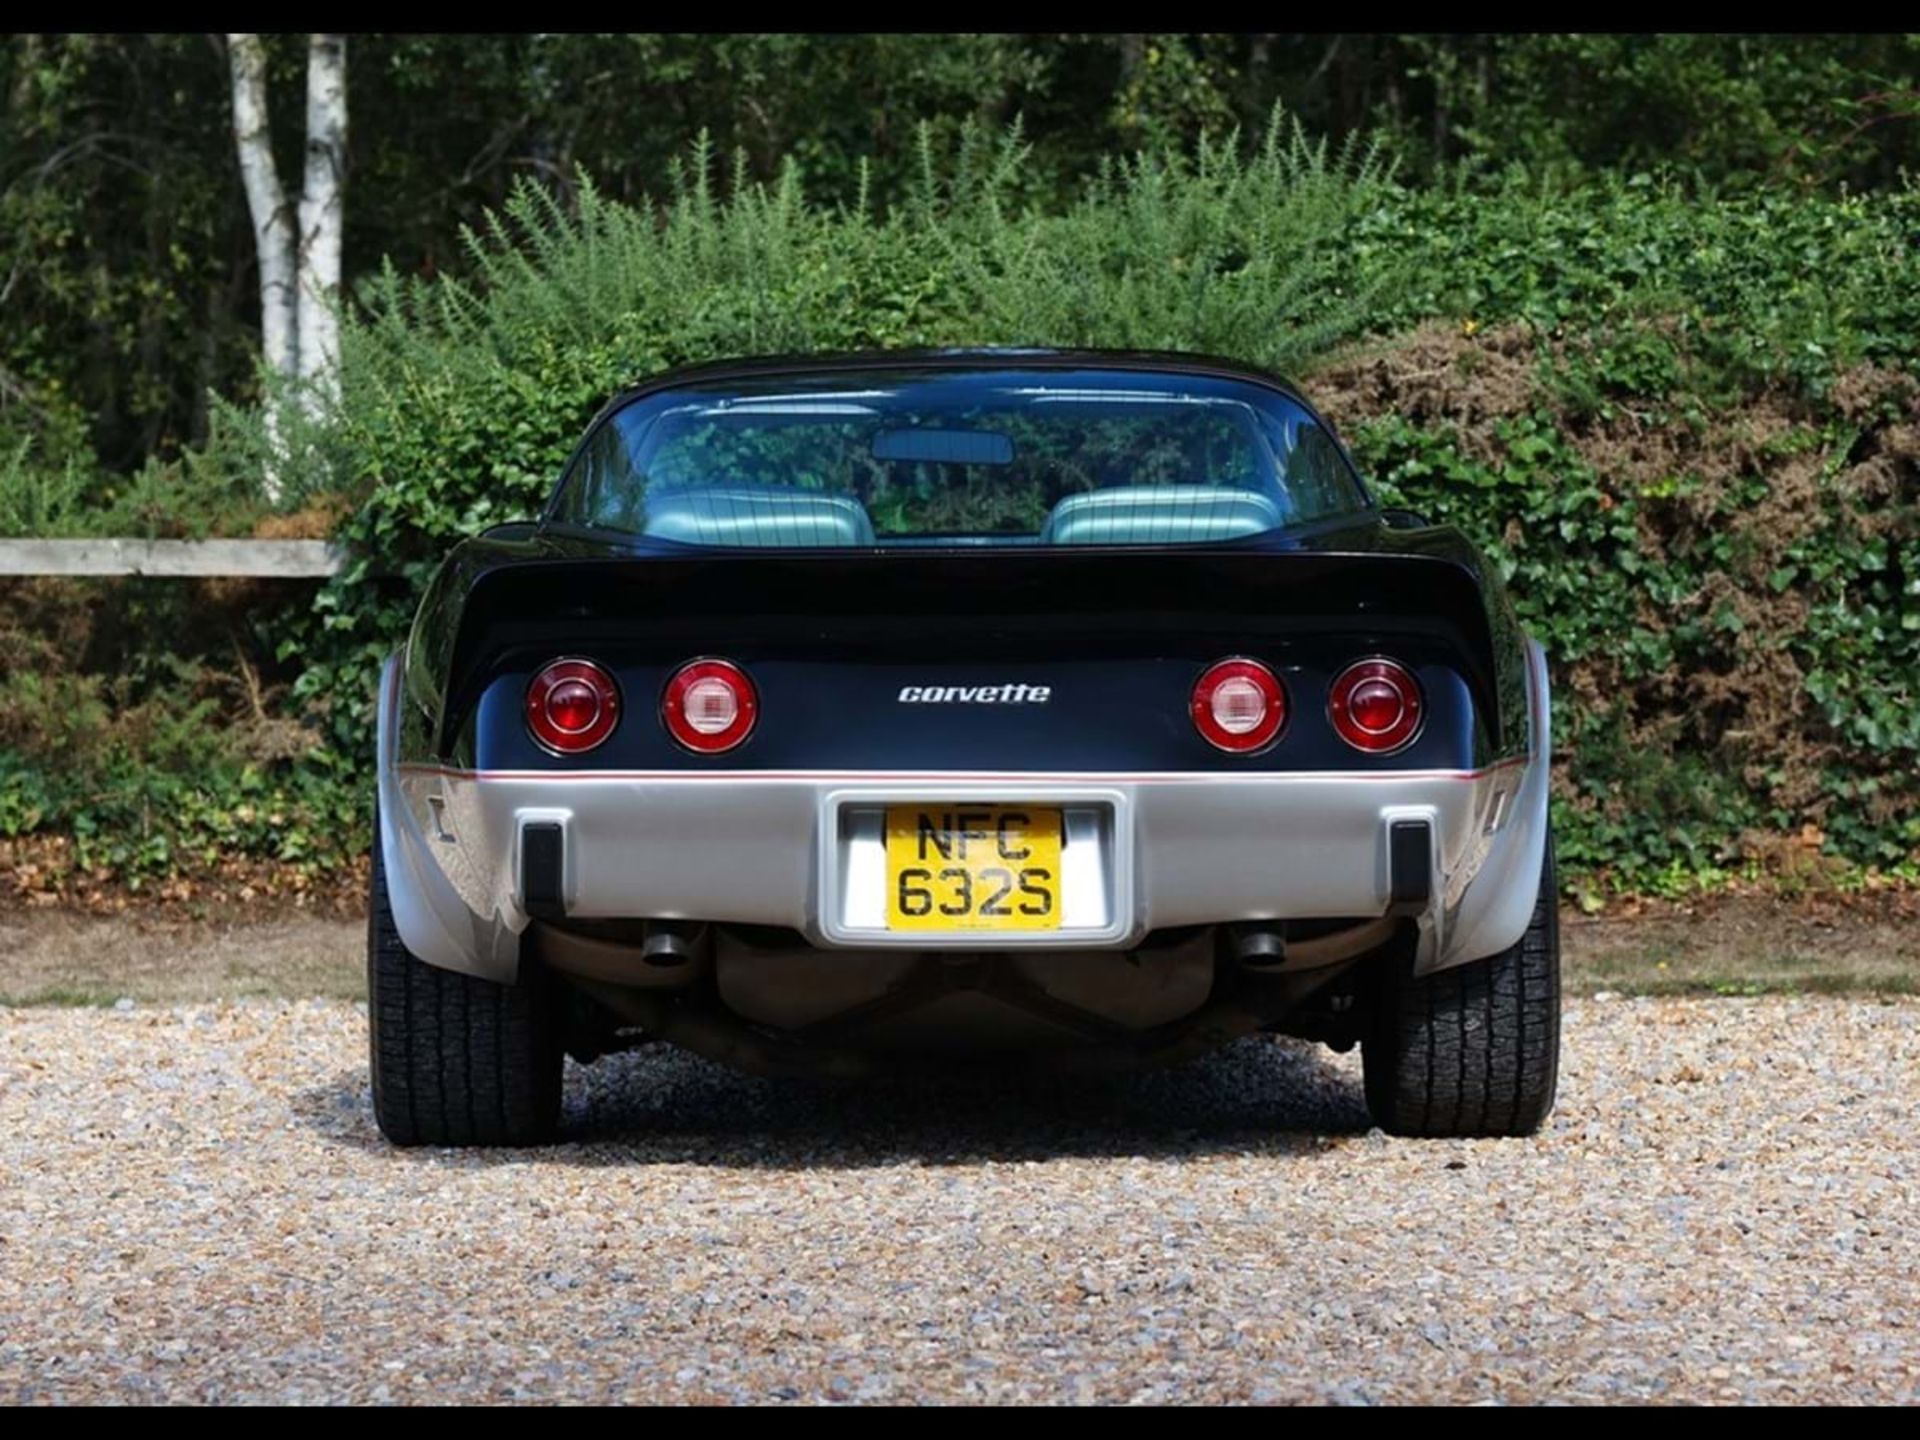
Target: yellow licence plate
x=973, y=867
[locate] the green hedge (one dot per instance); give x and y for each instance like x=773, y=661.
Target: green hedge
x=1684, y=424
x=139, y=728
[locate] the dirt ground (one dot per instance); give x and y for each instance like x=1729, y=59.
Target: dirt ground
x=1749, y=945
x=60, y=957
x=1727, y=945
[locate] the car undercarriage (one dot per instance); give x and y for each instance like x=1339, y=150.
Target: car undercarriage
x=761, y=999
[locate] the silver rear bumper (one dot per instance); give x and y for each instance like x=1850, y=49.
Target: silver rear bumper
x=791, y=849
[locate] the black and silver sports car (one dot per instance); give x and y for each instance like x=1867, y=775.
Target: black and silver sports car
x=1049, y=708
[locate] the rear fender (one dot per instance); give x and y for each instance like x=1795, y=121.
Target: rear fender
x=435, y=923
x=1497, y=905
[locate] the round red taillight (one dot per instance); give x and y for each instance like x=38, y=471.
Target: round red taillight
x=1239, y=705
x=1375, y=705
x=709, y=706
x=572, y=706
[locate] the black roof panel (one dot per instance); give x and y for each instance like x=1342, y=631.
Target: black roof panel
x=968, y=358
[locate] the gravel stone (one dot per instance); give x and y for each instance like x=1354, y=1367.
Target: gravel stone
x=195, y=1206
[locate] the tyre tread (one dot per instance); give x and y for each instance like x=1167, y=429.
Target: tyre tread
x=457, y=1060
x=1473, y=1049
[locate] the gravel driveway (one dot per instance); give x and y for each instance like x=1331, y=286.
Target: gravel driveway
x=196, y=1206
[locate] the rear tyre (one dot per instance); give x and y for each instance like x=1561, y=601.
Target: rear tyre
x=1472, y=1050
x=457, y=1060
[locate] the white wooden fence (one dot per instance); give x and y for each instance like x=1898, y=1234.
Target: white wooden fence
x=290, y=559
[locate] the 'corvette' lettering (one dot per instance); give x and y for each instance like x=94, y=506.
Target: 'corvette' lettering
x=975, y=694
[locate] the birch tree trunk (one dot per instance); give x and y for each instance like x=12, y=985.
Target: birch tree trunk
x=321, y=214
x=273, y=233
x=299, y=265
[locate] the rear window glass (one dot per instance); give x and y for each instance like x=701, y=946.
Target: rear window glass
x=1033, y=457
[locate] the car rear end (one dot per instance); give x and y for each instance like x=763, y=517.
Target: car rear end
x=759, y=758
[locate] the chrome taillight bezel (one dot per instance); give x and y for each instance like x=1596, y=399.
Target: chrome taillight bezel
x=1273, y=724
x=673, y=717
x=551, y=736
x=1370, y=741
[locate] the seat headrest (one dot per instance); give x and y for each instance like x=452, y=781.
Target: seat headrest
x=1159, y=515
x=756, y=515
